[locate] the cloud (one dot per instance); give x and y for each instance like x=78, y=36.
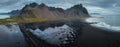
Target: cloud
x=102, y=3
x=94, y=6
x=10, y=5
x=18, y=4
x=103, y=7
x=61, y=1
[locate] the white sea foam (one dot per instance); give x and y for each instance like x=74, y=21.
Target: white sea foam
x=103, y=24
x=56, y=35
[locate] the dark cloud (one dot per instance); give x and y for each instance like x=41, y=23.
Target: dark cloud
x=99, y=6
x=61, y=1
x=95, y=13
x=102, y=3
x=9, y=2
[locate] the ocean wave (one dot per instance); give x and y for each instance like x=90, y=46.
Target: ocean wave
x=103, y=24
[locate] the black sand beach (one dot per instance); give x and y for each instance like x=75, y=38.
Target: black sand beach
x=86, y=35
x=95, y=37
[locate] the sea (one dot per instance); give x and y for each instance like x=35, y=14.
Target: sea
x=111, y=22
x=4, y=16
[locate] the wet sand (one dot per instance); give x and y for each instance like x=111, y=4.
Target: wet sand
x=96, y=37
x=87, y=35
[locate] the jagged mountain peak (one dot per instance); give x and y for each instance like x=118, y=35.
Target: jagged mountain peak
x=43, y=10
x=77, y=6
x=34, y=4
x=42, y=5
x=30, y=6
x=27, y=7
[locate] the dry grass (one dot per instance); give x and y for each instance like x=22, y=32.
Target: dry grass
x=16, y=20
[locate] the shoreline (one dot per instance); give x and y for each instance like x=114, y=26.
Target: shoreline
x=103, y=25
x=92, y=36
x=86, y=35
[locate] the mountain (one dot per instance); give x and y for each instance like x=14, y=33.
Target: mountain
x=77, y=10
x=4, y=14
x=12, y=13
x=42, y=10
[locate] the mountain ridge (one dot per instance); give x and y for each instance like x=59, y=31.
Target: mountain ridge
x=14, y=12
x=35, y=10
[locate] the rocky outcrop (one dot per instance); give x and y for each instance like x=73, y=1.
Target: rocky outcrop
x=77, y=10
x=42, y=10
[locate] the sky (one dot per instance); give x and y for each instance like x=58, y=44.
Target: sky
x=94, y=7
